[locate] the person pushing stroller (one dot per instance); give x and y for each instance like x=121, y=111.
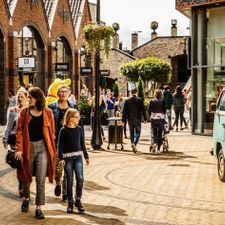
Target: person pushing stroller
x=157, y=112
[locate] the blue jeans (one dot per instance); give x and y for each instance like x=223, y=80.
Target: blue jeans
x=135, y=131
x=74, y=164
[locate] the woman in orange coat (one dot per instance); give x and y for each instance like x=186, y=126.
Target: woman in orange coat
x=35, y=145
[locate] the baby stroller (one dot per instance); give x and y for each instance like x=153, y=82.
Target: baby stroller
x=165, y=142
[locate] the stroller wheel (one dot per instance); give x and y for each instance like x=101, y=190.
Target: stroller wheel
x=150, y=148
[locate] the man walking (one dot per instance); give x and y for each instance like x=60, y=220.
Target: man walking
x=132, y=112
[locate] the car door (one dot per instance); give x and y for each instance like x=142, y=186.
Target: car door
x=219, y=120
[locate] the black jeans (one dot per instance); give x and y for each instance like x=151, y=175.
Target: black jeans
x=74, y=164
x=135, y=131
x=179, y=113
x=157, y=129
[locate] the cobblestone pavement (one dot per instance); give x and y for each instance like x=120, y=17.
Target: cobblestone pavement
x=180, y=187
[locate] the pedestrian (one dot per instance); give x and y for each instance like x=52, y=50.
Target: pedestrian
x=120, y=109
x=157, y=110
x=188, y=104
x=71, y=147
x=59, y=109
x=35, y=147
x=110, y=101
x=11, y=101
x=178, y=103
x=168, y=98
x=9, y=137
x=132, y=112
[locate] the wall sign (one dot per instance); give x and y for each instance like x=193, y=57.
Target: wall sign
x=26, y=62
x=85, y=70
x=62, y=67
x=105, y=73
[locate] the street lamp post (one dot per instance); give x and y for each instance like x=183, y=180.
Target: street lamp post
x=96, y=141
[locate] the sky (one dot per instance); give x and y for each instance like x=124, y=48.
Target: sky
x=137, y=15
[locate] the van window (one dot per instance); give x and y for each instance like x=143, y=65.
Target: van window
x=222, y=102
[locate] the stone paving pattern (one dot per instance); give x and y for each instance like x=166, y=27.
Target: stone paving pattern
x=180, y=187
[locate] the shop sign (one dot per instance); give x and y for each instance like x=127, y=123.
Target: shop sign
x=105, y=73
x=85, y=70
x=62, y=67
x=26, y=62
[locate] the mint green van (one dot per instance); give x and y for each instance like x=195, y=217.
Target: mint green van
x=219, y=136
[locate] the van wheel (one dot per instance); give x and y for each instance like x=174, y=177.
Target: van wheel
x=221, y=166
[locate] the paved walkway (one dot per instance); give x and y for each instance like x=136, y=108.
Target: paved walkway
x=180, y=187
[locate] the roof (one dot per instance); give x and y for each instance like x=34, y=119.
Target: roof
x=124, y=53
x=160, y=37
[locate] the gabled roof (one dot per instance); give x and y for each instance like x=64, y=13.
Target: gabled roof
x=124, y=53
x=12, y=6
x=160, y=37
x=50, y=9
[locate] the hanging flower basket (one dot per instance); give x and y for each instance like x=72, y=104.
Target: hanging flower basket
x=97, y=37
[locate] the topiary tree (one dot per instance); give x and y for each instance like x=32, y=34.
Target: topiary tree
x=151, y=69
x=140, y=89
x=116, y=90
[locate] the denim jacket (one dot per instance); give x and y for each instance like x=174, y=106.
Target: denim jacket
x=55, y=109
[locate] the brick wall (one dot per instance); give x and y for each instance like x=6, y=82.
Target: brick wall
x=162, y=47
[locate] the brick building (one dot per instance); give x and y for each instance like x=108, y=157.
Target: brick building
x=173, y=49
x=39, y=41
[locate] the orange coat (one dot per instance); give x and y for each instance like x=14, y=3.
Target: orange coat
x=23, y=143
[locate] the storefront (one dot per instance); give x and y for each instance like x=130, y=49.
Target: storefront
x=207, y=59
x=63, y=59
x=30, y=58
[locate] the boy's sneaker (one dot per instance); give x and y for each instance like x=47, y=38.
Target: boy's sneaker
x=133, y=146
x=70, y=208
x=79, y=206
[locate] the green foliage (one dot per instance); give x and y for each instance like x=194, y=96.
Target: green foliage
x=97, y=36
x=103, y=82
x=116, y=90
x=149, y=69
x=84, y=107
x=140, y=89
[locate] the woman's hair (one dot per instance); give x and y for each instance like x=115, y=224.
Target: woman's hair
x=22, y=90
x=37, y=93
x=62, y=86
x=158, y=94
x=69, y=113
x=178, y=91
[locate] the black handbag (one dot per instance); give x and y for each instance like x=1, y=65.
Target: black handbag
x=11, y=139
x=12, y=161
x=10, y=156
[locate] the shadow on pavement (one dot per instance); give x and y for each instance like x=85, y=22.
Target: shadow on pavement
x=171, y=155
x=92, y=186
x=105, y=209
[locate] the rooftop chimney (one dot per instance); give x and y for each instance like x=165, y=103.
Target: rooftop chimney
x=115, y=41
x=173, y=27
x=154, y=26
x=134, y=40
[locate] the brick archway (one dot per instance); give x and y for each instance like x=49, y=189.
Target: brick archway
x=2, y=77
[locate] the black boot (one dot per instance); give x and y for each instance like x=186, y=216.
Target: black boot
x=25, y=205
x=79, y=206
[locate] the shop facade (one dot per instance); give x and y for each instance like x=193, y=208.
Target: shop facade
x=207, y=59
x=39, y=41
